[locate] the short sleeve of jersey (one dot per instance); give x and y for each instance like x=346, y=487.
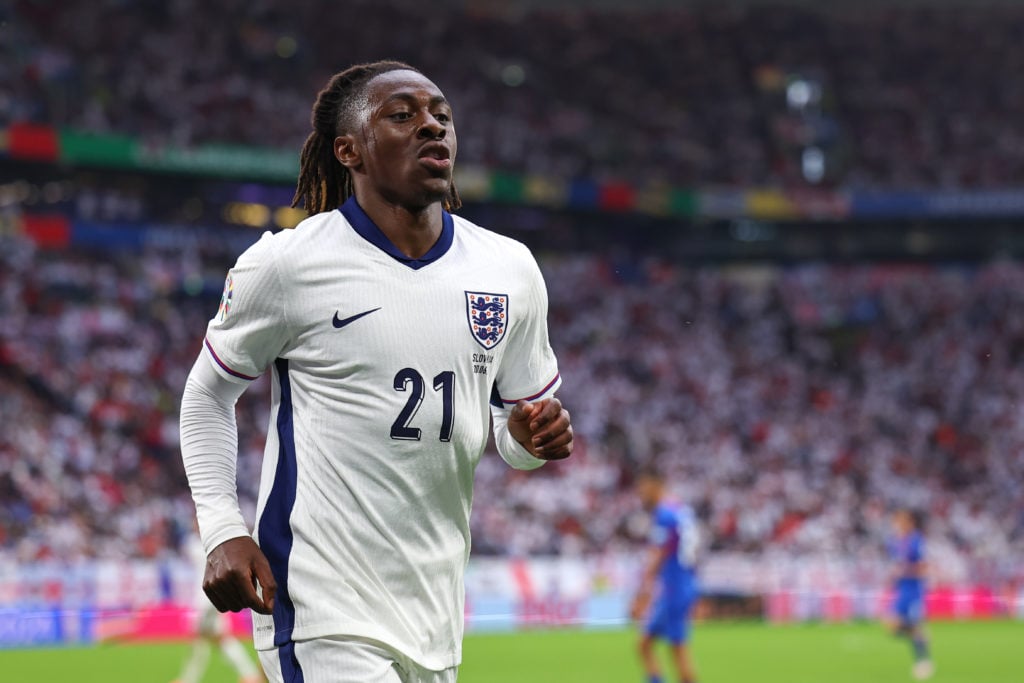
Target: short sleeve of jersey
x=661, y=530
x=529, y=370
x=250, y=329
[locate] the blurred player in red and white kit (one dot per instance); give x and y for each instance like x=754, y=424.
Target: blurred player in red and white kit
x=396, y=332
x=210, y=627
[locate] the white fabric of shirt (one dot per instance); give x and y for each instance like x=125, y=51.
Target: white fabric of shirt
x=364, y=506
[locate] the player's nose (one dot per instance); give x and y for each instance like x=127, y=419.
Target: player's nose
x=432, y=129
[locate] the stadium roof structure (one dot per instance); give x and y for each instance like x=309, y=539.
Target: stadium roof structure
x=504, y=6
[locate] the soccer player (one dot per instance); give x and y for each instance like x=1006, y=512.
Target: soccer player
x=394, y=331
x=907, y=551
x=669, y=581
x=209, y=629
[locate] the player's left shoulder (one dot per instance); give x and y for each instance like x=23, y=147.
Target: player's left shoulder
x=666, y=514
x=479, y=242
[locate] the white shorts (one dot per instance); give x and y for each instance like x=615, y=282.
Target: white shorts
x=346, y=660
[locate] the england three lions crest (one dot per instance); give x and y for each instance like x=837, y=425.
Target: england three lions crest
x=488, y=317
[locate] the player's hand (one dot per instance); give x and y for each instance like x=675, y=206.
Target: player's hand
x=543, y=428
x=232, y=571
x=639, y=608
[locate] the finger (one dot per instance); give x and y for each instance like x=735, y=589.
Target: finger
x=522, y=411
x=233, y=592
x=558, y=448
x=262, y=574
x=556, y=453
x=214, y=585
x=224, y=597
x=245, y=585
x=547, y=410
x=555, y=441
x=557, y=438
x=557, y=426
x=214, y=596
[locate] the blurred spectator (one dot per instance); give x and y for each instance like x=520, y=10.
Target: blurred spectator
x=909, y=97
x=793, y=407
x=94, y=351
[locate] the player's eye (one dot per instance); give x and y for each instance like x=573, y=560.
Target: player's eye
x=400, y=116
x=443, y=118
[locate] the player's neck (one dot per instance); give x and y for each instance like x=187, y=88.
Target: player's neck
x=412, y=231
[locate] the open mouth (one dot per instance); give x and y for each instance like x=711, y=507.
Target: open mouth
x=435, y=156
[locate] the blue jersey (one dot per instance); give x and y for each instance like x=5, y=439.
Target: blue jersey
x=675, y=529
x=908, y=551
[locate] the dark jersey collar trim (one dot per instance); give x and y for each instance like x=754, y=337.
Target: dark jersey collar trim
x=369, y=231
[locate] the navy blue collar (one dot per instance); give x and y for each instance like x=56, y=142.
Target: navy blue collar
x=369, y=231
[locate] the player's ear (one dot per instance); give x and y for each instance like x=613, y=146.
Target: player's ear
x=345, y=151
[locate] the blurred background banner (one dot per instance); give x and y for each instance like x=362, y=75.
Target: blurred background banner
x=75, y=149
x=52, y=604
x=783, y=244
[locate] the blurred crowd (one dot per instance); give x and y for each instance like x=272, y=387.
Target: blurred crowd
x=861, y=96
x=794, y=408
x=94, y=352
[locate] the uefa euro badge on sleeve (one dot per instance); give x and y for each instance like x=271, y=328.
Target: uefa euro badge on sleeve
x=225, y=299
x=488, y=317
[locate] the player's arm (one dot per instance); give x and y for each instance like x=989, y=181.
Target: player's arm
x=915, y=565
x=918, y=570
x=656, y=557
x=209, y=448
x=911, y=562
x=529, y=431
x=689, y=540
x=250, y=330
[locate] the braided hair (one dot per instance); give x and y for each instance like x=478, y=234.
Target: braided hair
x=324, y=184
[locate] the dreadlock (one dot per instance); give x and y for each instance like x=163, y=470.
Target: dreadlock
x=324, y=184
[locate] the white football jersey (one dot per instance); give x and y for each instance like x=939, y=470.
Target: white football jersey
x=383, y=369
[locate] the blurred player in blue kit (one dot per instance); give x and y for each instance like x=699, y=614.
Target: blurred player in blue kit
x=668, y=588
x=907, y=551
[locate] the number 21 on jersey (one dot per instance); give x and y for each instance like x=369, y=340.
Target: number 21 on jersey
x=411, y=381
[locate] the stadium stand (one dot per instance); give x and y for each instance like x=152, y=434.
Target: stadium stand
x=793, y=406
x=714, y=95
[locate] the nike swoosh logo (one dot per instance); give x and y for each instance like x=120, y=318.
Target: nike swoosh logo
x=339, y=323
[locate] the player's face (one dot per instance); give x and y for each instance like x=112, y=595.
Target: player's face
x=406, y=141
x=901, y=522
x=648, y=491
